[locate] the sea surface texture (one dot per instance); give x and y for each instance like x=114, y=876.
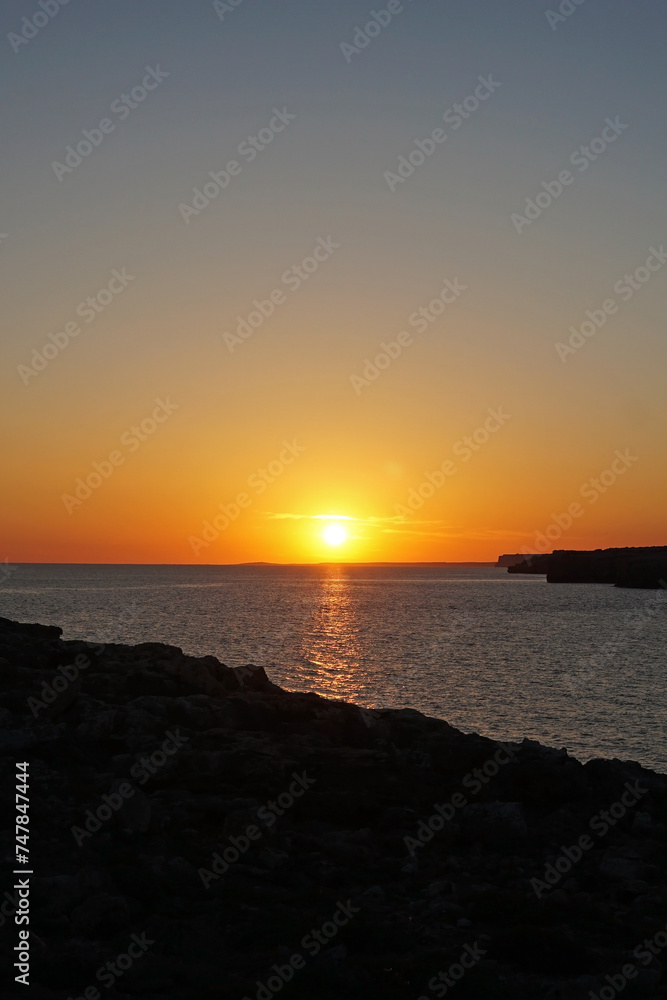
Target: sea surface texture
x=576, y=666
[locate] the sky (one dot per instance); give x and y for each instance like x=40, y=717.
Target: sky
x=189, y=363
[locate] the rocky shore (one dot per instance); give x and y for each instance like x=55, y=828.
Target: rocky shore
x=639, y=568
x=196, y=832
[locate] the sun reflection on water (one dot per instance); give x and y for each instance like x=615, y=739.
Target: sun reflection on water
x=332, y=642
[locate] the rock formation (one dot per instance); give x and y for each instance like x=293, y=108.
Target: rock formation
x=531, y=564
x=510, y=560
x=629, y=567
x=229, y=840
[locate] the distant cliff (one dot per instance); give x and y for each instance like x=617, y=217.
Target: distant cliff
x=530, y=564
x=628, y=567
x=510, y=560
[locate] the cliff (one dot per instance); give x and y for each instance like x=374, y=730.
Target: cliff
x=531, y=564
x=227, y=838
x=510, y=560
x=628, y=567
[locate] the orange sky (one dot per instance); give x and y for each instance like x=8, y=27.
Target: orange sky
x=249, y=323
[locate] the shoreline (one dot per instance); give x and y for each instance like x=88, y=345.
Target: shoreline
x=229, y=821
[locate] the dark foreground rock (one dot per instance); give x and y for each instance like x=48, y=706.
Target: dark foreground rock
x=196, y=832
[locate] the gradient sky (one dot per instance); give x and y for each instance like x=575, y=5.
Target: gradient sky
x=323, y=177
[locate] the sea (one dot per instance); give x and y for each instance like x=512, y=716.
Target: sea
x=578, y=666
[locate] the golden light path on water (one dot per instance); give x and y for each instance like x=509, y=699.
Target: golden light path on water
x=334, y=642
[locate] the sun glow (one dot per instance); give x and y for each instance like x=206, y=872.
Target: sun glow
x=334, y=534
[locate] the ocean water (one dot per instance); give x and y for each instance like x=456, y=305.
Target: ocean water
x=575, y=666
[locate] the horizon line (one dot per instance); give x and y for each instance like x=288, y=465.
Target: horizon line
x=328, y=562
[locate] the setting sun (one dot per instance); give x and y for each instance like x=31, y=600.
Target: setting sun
x=334, y=534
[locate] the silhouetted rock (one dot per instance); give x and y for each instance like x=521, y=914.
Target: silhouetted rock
x=212, y=822
x=530, y=564
x=510, y=560
x=630, y=567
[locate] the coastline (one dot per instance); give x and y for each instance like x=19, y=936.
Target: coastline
x=225, y=819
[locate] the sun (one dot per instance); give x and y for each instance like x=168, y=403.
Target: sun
x=334, y=534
